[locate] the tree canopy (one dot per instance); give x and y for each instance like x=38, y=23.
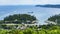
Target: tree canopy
x=19, y=18
x=55, y=18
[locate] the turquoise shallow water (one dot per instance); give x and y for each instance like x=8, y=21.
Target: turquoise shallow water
x=41, y=13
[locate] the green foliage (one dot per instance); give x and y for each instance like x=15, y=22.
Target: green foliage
x=53, y=30
x=1, y=21
x=54, y=18
x=18, y=19
x=56, y=31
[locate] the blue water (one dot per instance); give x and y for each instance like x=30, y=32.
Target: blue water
x=41, y=13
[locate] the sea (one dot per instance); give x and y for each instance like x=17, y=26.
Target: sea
x=41, y=13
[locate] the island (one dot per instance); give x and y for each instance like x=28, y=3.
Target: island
x=49, y=6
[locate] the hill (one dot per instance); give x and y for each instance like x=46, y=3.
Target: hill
x=49, y=6
x=19, y=19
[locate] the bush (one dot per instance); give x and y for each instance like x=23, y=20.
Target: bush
x=53, y=30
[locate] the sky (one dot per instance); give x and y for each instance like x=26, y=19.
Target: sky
x=28, y=2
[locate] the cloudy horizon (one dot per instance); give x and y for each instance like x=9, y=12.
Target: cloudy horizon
x=28, y=2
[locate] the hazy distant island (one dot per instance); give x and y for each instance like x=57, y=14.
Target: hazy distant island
x=49, y=6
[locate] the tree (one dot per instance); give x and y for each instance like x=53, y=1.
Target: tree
x=20, y=18
x=55, y=18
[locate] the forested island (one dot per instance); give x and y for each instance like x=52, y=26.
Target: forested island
x=49, y=6
x=19, y=19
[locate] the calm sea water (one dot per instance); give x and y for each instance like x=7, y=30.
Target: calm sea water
x=41, y=13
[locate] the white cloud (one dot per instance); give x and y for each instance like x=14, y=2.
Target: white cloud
x=22, y=2
x=15, y=2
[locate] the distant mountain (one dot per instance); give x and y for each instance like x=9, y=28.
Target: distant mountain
x=49, y=6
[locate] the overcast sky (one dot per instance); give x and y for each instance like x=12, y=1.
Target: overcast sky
x=28, y=2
